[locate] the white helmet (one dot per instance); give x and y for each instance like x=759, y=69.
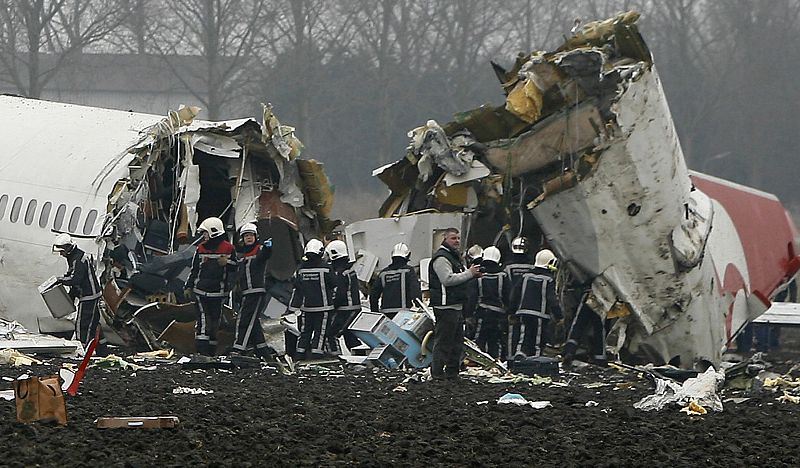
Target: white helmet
x=314, y=246
x=213, y=226
x=543, y=258
x=63, y=243
x=491, y=254
x=401, y=250
x=248, y=228
x=475, y=252
x=336, y=249
x=519, y=245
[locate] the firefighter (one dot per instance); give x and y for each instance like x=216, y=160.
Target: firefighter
x=313, y=298
x=82, y=280
x=346, y=296
x=586, y=320
x=252, y=257
x=486, y=303
x=396, y=286
x=210, y=281
x=474, y=255
x=448, y=288
x=516, y=265
x=534, y=301
x=519, y=262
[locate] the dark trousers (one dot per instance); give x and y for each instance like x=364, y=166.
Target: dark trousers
x=87, y=321
x=339, y=323
x=209, y=311
x=313, y=329
x=585, y=321
x=448, y=344
x=528, y=336
x=488, y=336
x=249, y=334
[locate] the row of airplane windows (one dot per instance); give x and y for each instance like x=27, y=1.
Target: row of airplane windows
x=44, y=215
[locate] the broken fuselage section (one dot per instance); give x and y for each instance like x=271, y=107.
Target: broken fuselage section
x=583, y=158
x=184, y=171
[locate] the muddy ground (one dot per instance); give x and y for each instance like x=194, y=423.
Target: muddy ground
x=257, y=417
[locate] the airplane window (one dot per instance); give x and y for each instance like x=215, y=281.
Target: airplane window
x=45, y=214
x=74, y=218
x=3, y=204
x=89, y=224
x=15, y=209
x=59, y=219
x=29, y=212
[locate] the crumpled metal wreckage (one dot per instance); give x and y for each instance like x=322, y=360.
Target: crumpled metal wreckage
x=583, y=157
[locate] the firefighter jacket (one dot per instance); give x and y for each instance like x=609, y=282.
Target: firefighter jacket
x=346, y=295
x=536, y=295
x=489, y=292
x=313, y=286
x=396, y=287
x=81, y=276
x=516, y=266
x=447, y=279
x=251, y=267
x=213, y=268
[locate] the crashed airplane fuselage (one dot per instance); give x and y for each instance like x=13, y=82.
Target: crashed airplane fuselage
x=584, y=158
x=131, y=188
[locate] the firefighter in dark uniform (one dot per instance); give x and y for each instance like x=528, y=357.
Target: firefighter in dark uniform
x=82, y=280
x=252, y=259
x=210, y=281
x=448, y=288
x=396, y=286
x=486, y=303
x=346, y=296
x=313, y=298
x=534, y=301
x=516, y=265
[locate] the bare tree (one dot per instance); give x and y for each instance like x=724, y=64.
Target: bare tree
x=59, y=28
x=223, y=35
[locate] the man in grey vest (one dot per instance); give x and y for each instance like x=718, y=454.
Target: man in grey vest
x=448, y=279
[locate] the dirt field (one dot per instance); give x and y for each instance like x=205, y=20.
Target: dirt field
x=261, y=418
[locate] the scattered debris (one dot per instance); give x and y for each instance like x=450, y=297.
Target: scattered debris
x=191, y=391
x=157, y=354
x=16, y=359
x=591, y=403
x=400, y=389
x=113, y=361
x=788, y=398
x=147, y=422
x=693, y=409
x=40, y=399
x=7, y=395
x=519, y=400
x=701, y=389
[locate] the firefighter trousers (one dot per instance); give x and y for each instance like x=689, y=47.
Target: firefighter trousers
x=586, y=320
x=249, y=334
x=209, y=311
x=488, y=336
x=528, y=336
x=313, y=329
x=87, y=322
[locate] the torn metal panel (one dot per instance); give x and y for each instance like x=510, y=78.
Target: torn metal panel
x=316, y=186
x=548, y=142
x=421, y=232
